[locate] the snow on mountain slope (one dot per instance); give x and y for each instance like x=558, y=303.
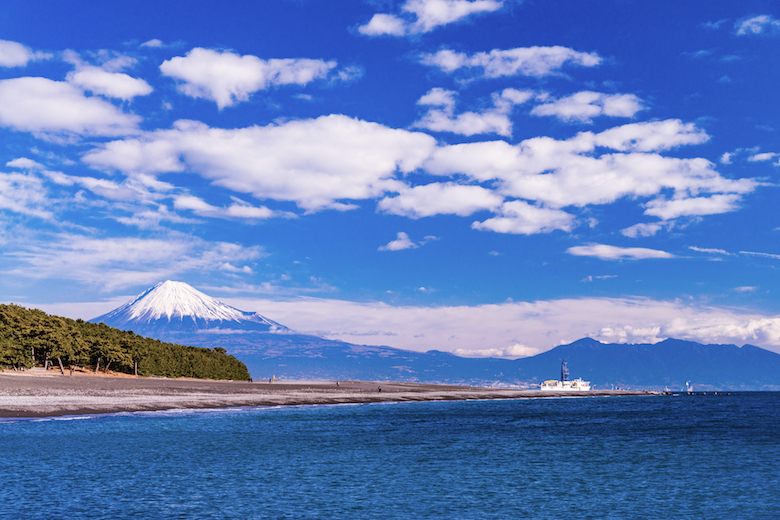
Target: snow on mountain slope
x=178, y=306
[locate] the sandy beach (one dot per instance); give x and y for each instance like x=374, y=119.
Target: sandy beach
x=39, y=394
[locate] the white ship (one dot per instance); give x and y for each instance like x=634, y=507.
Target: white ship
x=577, y=385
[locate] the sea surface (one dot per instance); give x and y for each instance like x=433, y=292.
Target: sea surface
x=655, y=457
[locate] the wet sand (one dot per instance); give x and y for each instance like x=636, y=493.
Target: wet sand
x=40, y=394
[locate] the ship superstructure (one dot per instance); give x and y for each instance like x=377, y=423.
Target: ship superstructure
x=564, y=384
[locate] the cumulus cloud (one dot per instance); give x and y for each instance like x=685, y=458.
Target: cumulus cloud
x=441, y=116
x=440, y=199
x=401, y=242
x=693, y=206
x=13, y=54
x=521, y=61
x=23, y=163
x=110, y=84
x=606, y=252
x=520, y=218
x=645, y=229
x=584, y=106
x=760, y=157
x=332, y=161
x=44, y=106
x=560, y=173
x=228, y=78
x=422, y=16
x=758, y=25
x=107, y=79
x=313, y=163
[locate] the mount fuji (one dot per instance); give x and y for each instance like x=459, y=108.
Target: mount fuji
x=177, y=313
x=177, y=307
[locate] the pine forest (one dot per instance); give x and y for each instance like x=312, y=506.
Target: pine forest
x=30, y=337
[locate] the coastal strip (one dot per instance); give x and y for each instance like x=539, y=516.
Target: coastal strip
x=27, y=394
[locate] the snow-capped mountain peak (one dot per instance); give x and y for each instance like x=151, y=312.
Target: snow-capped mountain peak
x=178, y=305
x=171, y=299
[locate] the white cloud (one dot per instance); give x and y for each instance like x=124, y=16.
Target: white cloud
x=519, y=217
x=107, y=79
x=761, y=24
x=230, y=268
x=112, y=263
x=693, y=206
x=760, y=157
x=384, y=24
x=571, y=173
x=605, y=252
x=651, y=136
x=764, y=255
x=314, y=163
x=13, y=54
x=504, y=328
x=511, y=352
x=23, y=163
x=152, y=218
x=24, y=194
x=332, y=161
x=584, y=106
x=440, y=199
x=132, y=189
x=401, y=242
x=154, y=43
x=238, y=210
x=111, y=84
x=709, y=250
x=589, y=279
x=441, y=117
x=427, y=15
x=43, y=106
x=136, y=189
x=228, y=78
x=645, y=229
x=726, y=158
x=525, y=61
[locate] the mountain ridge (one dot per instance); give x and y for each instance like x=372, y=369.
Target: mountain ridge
x=270, y=349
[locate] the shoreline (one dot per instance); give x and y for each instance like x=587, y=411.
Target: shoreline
x=41, y=394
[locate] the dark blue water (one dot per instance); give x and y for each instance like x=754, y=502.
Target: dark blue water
x=628, y=457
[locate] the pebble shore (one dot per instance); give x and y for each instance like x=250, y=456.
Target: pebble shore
x=37, y=394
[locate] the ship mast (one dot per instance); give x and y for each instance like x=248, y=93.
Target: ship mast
x=564, y=371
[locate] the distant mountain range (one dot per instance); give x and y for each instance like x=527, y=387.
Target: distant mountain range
x=175, y=312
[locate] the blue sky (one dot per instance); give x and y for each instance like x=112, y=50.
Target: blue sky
x=485, y=177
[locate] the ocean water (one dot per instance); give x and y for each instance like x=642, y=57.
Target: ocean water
x=658, y=457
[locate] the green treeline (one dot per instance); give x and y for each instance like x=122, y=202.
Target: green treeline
x=30, y=337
